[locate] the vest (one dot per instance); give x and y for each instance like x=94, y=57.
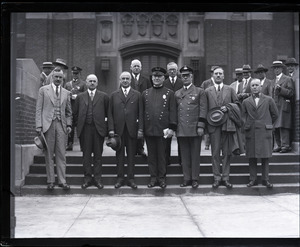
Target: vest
x=57, y=111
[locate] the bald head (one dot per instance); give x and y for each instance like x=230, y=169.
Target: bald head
x=92, y=81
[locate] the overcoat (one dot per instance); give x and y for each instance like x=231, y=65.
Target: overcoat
x=45, y=108
x=100, y=111
x=267, y=87
x=159, y=111
x=283, y=99
x=125, y=110
x=258, y=125
x=191, y=107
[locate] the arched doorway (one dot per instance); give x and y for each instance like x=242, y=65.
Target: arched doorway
x=150, y=54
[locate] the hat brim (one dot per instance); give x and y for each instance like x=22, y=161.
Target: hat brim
x=118, y=141
x=221, y=121
x=278, y=65
x=43, y=141
x=291, y=64
x=60, y=64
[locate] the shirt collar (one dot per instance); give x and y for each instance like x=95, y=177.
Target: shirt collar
x=175, y=78
x=127, y=89
x=221, y=85
x=54, y=87
x=279, y=76
x=187, y=87
x=136, y=76
x=89, y=91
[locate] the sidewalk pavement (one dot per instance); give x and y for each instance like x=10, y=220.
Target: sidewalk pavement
x=129, y=216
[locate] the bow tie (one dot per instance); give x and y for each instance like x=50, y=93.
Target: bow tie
x=256, y=95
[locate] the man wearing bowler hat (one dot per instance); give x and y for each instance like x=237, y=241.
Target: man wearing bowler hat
x=191, y=105
x=47, y=67
x=159, y=123
x=54, y=119
x=90, y=116
x=283, y=94
x=218, y=96
x=266, y=84
x=75, y=86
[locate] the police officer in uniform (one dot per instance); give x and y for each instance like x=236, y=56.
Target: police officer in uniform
x=191, y=105
x=75, y=86
x=159, y=123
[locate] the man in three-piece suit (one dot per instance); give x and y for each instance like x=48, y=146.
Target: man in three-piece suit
x=220, y=95
x=266, y=84
x=174, y=83
x=191, y=105
x=54, y=118
x=283, y=95
x=259, y=113
x=90, y=115
x=139, y=83
x=125, y=118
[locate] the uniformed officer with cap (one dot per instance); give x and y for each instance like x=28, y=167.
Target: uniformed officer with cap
x=75, y=86
x=191, y=105
x=159, y=123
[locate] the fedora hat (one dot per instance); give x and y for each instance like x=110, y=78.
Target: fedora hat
x=114, y=142
x=216, y=117
x=60, y=62
x=277, y=64
x=247, y=68
x=40, y=141
x=260, y=68
x=291, y=61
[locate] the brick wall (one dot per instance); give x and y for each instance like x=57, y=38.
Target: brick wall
x=25, y=119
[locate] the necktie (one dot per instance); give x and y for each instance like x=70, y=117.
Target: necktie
x=136, y=82
x=56, y=91
x=173, y=81
x=219, y=89
x=125, y=92
x=92, y=95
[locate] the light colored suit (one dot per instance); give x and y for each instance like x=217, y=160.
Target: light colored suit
x=55, y=130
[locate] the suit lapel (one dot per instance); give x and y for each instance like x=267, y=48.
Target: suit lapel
x=50, y=92
x=96, y=97
x=85, y=98
x=121, y=95
x=129, y=95
x=214, y=94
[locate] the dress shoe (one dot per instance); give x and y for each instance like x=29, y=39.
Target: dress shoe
x=119, y=184
x=151, y=184
x=99, y=185
x=132, y=185
x=195, y=184
x=206, y=147
x=142, y=153
x=162, y=184
x=227, y=184
x=64, y=186
x=216, y=184
x=284, y=150
x=186, y=183
x=69, y=147
x=267, y=184
x=252, y=183
x=276, y=150
x=50, y=186
x=85, y=185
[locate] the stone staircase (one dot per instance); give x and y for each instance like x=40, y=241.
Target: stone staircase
x=284, y=174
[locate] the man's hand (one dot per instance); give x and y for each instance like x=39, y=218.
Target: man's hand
x=38, y=130
x=170, y=133
x=74, y=96
x=140, y=134
x=224, y=108
x=200, y=131
x=111, y=133
x=69, y=129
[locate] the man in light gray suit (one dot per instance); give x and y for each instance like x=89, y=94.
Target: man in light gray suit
x=54, y=118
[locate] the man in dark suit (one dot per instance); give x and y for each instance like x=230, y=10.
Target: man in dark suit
x=206, y=84
x=90, y=114
x=75, y=86
x=159, y=123
x=139, y=83
x=125, y=118
x=266, y=84
x=54, y=118
x=220, y=95
x=191, y=104
x=244, y=88
x=174, y=83
x=260, y=113
x=283, y=95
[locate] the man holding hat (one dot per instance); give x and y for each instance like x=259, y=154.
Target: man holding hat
x=75, y=86
x=159, y=123
x=90, y=116
x=46, y=70
x=283, y=95
x=54, y=118
x=191, y=105
x=219, y=129
x=266, y=84
x=125, y=118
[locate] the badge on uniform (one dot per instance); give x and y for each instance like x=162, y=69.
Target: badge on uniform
x=193, y=98
x=164, y=96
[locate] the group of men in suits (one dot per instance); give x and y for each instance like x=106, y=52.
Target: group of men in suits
x=155, y=112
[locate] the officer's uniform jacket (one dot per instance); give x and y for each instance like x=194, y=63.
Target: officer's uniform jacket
x=159, y=111
x=191, y=107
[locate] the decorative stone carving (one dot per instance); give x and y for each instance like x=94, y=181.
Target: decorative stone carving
x=157, y=24
x=172, y=22
x=127, y=21
x=193, y=31
x=142, y=23
x=106, y=31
